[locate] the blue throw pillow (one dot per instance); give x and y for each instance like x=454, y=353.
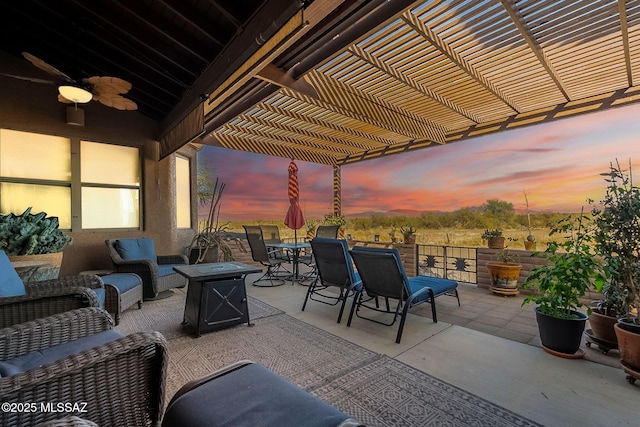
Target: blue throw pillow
x=10, y=283
x=134, y=249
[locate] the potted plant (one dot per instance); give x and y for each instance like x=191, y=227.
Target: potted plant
x=618, y=240
x=494, y=238
x=573, y=267
x=311, y=229
x=34, y=237
x=504, y=272
x=336, y=219
x=392, y=234
x=212, y=241
x=409, y=234
x=530, y=240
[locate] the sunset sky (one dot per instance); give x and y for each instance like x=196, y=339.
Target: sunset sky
x=557, y=164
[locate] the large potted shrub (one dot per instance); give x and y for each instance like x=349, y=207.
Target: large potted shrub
x=618, y=239
x=34, y=237
x=572, y=268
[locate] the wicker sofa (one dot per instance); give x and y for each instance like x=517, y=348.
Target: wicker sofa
x=156, y=271
x=119, y=382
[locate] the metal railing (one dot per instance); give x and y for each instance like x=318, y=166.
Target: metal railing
x=458, y=263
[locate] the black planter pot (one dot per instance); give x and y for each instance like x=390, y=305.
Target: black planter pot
x=561, y=335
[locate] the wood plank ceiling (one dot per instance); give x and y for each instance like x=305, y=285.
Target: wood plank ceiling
x=442, y=71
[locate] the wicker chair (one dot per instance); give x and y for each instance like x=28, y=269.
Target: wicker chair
x=122, y=381
x=50, y=297
x=156, y=271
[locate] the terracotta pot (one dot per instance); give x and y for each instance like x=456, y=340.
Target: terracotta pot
x=495, y=242
x=602, y=327
x=410, y=240
x=629, y=345
x=530, y=246
x=504, y=275
x=51, y=269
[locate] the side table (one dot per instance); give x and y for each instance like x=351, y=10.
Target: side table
x=216, y=295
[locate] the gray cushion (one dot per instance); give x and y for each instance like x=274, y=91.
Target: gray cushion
x=251, y=396
x=57, y=352
x=10, y=283
x=135, y=249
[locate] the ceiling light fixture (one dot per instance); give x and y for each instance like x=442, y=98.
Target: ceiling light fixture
x=75, y=94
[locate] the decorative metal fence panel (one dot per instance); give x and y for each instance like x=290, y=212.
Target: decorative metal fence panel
x=449, y=262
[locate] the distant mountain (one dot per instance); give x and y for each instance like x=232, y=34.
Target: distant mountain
x=391, y=213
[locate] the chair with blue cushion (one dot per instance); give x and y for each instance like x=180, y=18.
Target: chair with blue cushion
x=77, y=357
x=138, y=255
x=383, y=276
x=21, y=302
x=334, y=269
x=123, y=290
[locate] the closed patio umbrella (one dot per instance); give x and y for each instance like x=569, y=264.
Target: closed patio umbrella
x=294, y=218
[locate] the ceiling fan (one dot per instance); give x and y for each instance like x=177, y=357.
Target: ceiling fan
x=106, y=90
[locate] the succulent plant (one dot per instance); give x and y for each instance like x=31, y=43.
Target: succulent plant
x=31, y=234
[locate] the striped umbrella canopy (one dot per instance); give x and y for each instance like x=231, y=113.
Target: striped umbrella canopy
x=294, y=218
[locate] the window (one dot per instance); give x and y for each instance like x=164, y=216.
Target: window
x=40, y=171
x=35, y=170
x=110, y=176
x=183, y=193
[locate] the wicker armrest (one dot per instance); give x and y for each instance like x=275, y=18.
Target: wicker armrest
x=122, y=383
x=38, y=334
x=43, y=302
x=173, y=259
x=82, y=280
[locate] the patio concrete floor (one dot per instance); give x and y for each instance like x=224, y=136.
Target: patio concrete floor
x=488, y=347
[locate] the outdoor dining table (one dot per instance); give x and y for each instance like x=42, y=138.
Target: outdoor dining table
x=294, y=248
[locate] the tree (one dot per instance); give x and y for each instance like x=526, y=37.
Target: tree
x=205, y=184
x=500, y=211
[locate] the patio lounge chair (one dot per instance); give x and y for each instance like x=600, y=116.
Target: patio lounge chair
x=260, y=253
x=334, y=269
x=383, y=276
x=76, y=357
x=246, y=394
x=21, y=302
x=138, y=255
x=328, y=231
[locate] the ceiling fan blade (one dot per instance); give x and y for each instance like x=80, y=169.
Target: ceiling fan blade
x=46, y=67
x=64, y=100
x=30, y=79
x=116, y=101
x=113, y=85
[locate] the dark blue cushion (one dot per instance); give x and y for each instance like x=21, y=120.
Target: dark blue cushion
x=135, y=249
x=439, y=286
x=167, y=269
x=57, y=352
x=10, y=283
x=250, y=396
x=123, y=281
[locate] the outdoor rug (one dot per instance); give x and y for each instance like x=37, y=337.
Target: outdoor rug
x=373, y=388
x=165, y=315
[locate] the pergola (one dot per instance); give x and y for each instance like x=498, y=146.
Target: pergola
x=342, y=81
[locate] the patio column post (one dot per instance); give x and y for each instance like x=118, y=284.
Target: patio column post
x=337, y=194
